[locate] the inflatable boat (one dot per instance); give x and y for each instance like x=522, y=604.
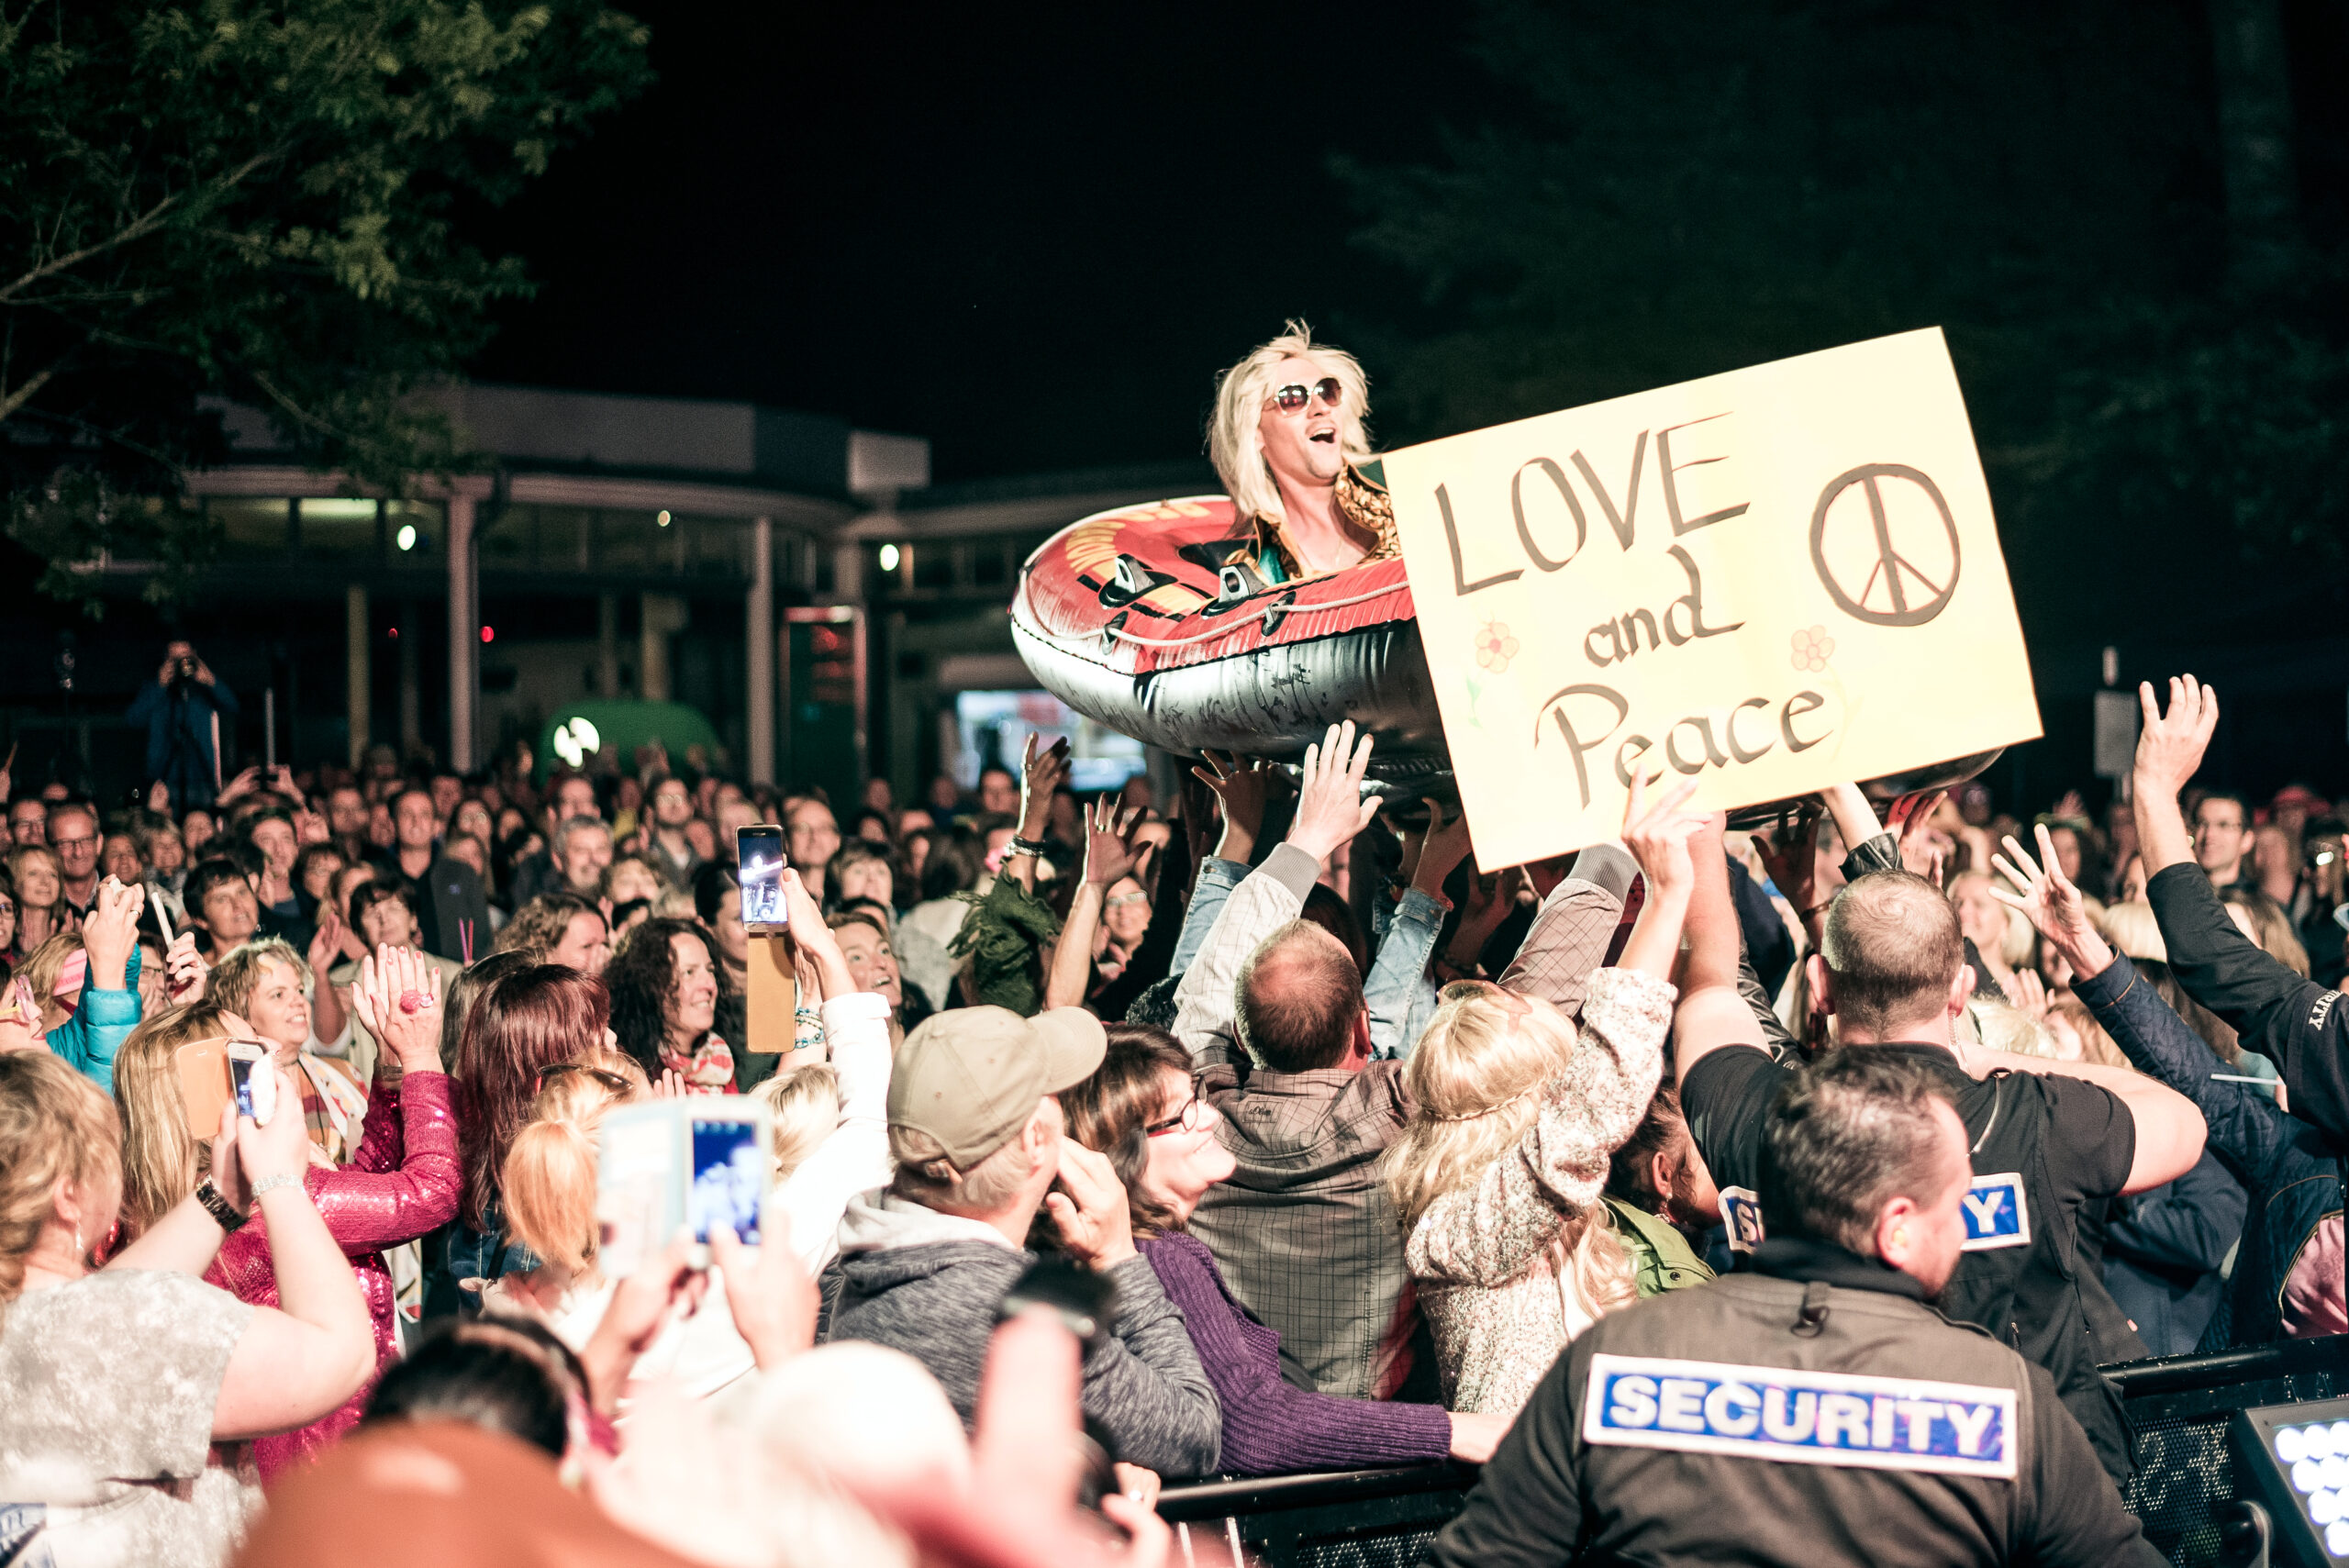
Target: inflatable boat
x=1132, y=618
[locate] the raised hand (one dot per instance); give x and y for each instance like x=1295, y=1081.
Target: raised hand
x=399, y=997
x=773, y=1300
x=1041, y=771
x=184, y=971
x=1444, y=846
x=1110, y=850
x=1329, y=807
x=2170, y=747
x=111, y=931
x=1240, y=788
x=2029, y=993
x=2051, y=905
x=1658, y=836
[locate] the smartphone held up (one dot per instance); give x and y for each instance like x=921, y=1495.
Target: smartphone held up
x=703, y=1163
x=758, y=864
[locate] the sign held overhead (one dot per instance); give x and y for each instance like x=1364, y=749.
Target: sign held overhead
x=1768, y=581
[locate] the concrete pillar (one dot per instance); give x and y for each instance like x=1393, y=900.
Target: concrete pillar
x=411, y=692
x=607, y=645
x=358, y=669
x=758, y=634
x=464, y=634
x=848, y=574
x=665, y=615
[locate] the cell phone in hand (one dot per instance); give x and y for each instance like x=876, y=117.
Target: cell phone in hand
x=758, y=866
x=252, y=1081
x=703, y=1163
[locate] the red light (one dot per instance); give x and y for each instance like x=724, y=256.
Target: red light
x=489, y=634
x=395, y=634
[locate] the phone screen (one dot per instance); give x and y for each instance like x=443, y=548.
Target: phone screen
x=728, y=1179
x=240, y=1079
x=759, y=861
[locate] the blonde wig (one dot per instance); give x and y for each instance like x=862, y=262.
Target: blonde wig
x=549, y=1177
x=1476, y=1082
x=806, y=1102
x=1235, y=446
x=55, y=1125
x=161, y=1160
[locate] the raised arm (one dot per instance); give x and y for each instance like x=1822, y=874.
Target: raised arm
x=1109, y=855
x=300, y=1361
x=2170, y=1130
x=1393, y=984
x=1330, y=812
x=1040, y=774
x=1713, y=1011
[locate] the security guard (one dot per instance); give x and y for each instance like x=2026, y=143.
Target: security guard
x=1812, y=1410
x=2047, y=1139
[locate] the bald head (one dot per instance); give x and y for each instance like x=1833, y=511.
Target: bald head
x=1300, y=999
x=1892, y=950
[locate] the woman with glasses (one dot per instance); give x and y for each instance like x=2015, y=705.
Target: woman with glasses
x=401, y=1183
x=1290, y=442
x=1142, y=1108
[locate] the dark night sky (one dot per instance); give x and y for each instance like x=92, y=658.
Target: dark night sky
x=1031, y=234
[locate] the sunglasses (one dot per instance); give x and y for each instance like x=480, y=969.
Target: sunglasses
x=1289, y=399
x=1122, y=899
x=612, y=1081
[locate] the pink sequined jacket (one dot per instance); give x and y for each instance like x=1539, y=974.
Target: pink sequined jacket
x=1485, y=1254
x=403, y=1182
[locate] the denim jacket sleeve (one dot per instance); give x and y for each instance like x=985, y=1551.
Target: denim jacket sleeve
x=102, y=1020
x=1216, y=880
x=2249, y=1132
x=1395, y=975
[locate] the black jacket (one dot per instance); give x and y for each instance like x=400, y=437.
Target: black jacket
x=1624, y=1460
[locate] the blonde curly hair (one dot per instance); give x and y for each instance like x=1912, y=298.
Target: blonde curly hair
x=1476, y=1081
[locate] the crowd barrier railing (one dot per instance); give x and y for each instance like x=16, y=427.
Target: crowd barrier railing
x=2184, y=1491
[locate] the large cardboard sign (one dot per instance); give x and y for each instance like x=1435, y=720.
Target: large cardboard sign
x=1768, y=581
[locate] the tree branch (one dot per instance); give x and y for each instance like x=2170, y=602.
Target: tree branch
x=23, y=392
x=137, y=228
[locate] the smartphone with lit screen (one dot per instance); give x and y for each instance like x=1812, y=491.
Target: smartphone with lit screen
x=757, y=865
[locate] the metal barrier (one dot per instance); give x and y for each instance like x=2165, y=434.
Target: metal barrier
x=2186, y=1478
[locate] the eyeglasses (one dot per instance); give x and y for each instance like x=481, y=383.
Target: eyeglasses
x=1122, y=899
x=1190, y=1118
x=70, y=844
x=1289, y=399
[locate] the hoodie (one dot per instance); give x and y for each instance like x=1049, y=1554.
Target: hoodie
x=927, y=1284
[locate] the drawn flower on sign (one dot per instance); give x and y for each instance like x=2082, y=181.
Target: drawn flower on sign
x=1813, y=648
x=1495, y=646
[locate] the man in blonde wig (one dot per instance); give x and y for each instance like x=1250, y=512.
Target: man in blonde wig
x=1291, y=442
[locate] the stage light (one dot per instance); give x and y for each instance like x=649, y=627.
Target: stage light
x=889, y=558
x=489, y=634
x=661, y=518
x=406, y=538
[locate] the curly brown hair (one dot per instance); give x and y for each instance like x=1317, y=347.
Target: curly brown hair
x=1108, y=1112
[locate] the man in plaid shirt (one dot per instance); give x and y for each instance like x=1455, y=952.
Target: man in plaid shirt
x=1303, y=1230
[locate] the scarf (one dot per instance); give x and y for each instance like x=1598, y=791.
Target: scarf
x=330, y=1104
x=709, y=1069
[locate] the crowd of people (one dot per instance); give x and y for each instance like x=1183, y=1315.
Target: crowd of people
x=1131, y=1140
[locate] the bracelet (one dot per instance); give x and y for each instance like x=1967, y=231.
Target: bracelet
x=270, y=1184
x=219, y=1207
x=1020, y=846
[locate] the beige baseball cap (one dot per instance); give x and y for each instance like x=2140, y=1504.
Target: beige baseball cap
x=970, y=1077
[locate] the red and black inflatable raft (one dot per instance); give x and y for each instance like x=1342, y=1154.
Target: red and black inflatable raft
x=1131, y=618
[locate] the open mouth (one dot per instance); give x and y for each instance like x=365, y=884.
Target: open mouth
x=1326, y=437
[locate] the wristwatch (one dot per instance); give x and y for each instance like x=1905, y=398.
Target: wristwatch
x=219, y=1207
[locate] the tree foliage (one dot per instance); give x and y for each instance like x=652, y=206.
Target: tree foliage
x=260, y=203
x=1661, y=192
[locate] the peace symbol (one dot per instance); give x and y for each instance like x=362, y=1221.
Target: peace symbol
x=1914, y=598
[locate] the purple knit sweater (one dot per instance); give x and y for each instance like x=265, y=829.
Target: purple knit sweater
x=1269, y=1426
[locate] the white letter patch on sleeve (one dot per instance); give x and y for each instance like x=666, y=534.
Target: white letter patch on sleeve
x=1800, y=1418
x=1995, y=1213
